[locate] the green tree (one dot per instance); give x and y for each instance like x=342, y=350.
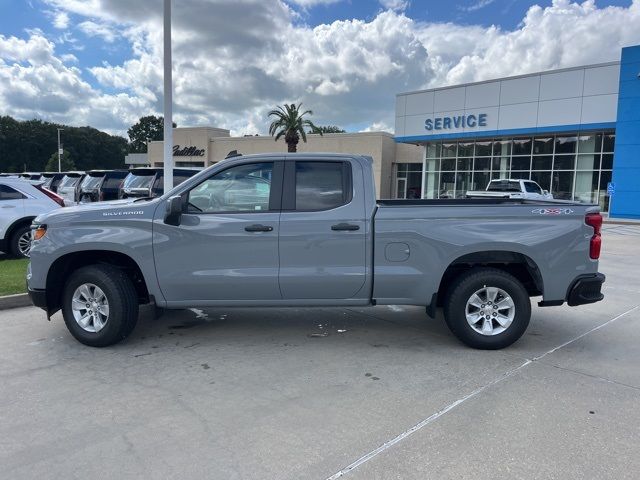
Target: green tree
x=27, y=145
x=327, y=129
x=149, y=128
x=290, y=124
x=66, y=163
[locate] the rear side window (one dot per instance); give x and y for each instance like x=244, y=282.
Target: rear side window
x=8, y=193
x=322, y=185
x=112, y=182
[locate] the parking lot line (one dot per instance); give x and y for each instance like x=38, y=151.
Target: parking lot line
x=385, y=446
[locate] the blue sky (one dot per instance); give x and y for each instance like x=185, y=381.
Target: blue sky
x=98, y=62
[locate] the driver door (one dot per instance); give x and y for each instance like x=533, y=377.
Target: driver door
x=226, y=246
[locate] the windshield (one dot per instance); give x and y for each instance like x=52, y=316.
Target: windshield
x=138, y=181
x=504, y=186
x=68, y=182
x=90, y=183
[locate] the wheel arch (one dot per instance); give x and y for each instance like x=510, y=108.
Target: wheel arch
x=521, y=266
x=63, y=266
x=17, y=224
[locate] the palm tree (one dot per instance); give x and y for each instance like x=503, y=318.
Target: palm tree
x=289, y=122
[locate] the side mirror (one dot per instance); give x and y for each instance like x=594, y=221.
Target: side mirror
x=174, y=211
x=546, y=192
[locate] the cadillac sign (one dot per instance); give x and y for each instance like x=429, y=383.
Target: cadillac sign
x=187, y=151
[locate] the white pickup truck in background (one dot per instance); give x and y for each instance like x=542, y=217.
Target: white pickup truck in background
x=513, y=188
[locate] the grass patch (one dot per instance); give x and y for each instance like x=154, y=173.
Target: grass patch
x=13, y=276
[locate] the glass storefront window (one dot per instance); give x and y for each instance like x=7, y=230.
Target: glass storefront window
x=588, y=162
x=480, y=180
x=432, y=164
x=562, y=185
x=564, y=162
x=447, y=185
x=566, y=145
x=605, y=177
x=543, y=179
x=433, y=150
x=449, y=150
x=482, y=164
x=483, y=149
x=608, y=142
x=590, y=143
x=570, y=166
x=463, y=184
x=586, y=189
x=543, y=145
x=522, y=146
x=448, y=164
x=465, y=149
x=465, y=163
x=502, y=148
x=542, y=163
x=521, y=163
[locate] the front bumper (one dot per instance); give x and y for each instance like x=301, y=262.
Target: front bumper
x=38, y=298
x=586, y=289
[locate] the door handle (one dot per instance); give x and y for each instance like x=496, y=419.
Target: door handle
x=345, y=226
x=258, y=228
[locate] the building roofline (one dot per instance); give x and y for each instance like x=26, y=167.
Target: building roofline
x=330, y=135
x=533, y=74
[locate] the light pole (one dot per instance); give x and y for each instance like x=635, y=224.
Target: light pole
x=168, y=90
x=59, y=151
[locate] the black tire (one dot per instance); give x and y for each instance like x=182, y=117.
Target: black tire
x=462, y=290
x=14, y=247
x=123, y=304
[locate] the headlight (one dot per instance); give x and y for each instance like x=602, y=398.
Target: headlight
x=38, y=231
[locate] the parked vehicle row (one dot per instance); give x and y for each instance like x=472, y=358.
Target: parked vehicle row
x=104, y=185
x=20, y=202
x=27, y=195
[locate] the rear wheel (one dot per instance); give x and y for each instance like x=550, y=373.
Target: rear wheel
x=99, y=305
x=487, y=308
x=21, y=242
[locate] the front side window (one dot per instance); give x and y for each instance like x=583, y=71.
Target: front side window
x=322, y=185
x=8, y=193
x=243, y=188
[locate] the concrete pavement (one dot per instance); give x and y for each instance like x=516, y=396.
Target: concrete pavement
x=372, y=393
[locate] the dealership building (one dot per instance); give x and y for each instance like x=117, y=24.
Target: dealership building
x=198, y=147
x=575, y=131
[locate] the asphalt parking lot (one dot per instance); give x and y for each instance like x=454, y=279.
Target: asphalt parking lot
x=375, y=393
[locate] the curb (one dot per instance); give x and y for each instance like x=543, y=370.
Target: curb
x=622, y=222
x=15, y=301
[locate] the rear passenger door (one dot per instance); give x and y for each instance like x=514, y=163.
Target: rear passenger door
x=322, y=231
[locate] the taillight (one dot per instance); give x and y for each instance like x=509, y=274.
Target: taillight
x=594, y=220
x=101, y=197
x=53, y=196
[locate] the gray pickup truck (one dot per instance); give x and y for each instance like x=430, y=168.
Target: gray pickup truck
x=278, y=230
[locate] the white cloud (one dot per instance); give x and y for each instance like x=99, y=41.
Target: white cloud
x=233, y=61
x=477, y=5
x=103, y=30
x=312, y=3
x=61, y=20
x=397, y=5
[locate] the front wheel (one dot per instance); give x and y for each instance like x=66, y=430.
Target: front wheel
x=100, y=305
x=20, y=245
x=487, y=308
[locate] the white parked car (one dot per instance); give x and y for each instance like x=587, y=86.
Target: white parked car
x=20, y=202
x=512, y=188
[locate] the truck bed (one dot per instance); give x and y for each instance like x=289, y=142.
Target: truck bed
x=469, y=202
